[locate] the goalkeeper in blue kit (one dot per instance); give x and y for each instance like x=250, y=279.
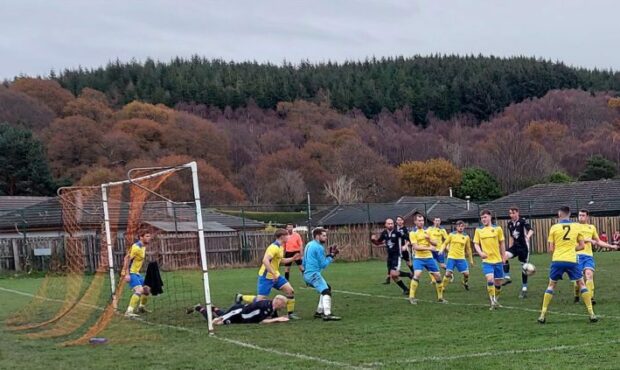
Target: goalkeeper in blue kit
x=316, y=261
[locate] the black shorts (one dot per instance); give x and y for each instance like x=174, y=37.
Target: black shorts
x=520, y=252
x=393, y=262
x=406, y=255
x=289, y=255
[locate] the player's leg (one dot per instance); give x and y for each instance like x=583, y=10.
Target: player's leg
x=576, y=275
x=407, y=259
x=287, y=266
x=430, y=274
x=418, y=267
x=447, y=278
x=146, y=291
x=498, y=280
x=263, y=288
x=463, y=267
x=487, y=270
x=432, y=267
x=286, y=288
x=588, y=271
x=553, y=276
x=506, y=267
x=135, y=283
x=325, y=301
x=395, y=274
x=523, y=258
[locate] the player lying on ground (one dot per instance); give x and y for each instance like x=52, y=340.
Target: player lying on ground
x=269, y=275
x=565, y=239
x=260, y=312
x=585, y=257
x=520, y=232
x=458, y=245
x=393, y=241
x=315, y=261
x=131, y=273
x=423, y=247
x=489, y=244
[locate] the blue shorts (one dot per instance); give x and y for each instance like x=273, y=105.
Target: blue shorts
x=460, y=264
x=497, y=269
x=135, y=280
x=557, y=269
x=439, y=257
x=315, y=280
x=425, y=263
x=264, y=285
x=585, y=262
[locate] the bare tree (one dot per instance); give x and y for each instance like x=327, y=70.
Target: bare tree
x=288, y=187
x=342, y=190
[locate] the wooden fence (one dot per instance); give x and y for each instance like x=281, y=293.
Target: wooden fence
x=234, y=249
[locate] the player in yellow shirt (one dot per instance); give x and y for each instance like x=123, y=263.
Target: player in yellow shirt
x=423, y=246
x=585, y=257
x=458, y=245
x=269, y=275
x=131, y=272
x=565, y=239
x=491, y=247
x=438, y=235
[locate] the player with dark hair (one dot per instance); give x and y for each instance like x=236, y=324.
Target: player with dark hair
x=490, y=245
x=315, y=261
x=520, y=232
x=565, y=239
x=293, y=245
x=393, y=240
x=269, y=275
x=131, y=273
x=259, y=312
x=585, y=257
x=423, y=246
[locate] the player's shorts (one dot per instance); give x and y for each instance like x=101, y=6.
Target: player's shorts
x=557, y=269
x=520, y=252
x=585, y=262
x=497, y=269
x=439, y=257
x=291, y=254
x=393, y=262
x=264, y=285
x=232, y=315
x=406, y=255
x=460, y=264
x=425, y=263
x=135, y=280
x=315, y=280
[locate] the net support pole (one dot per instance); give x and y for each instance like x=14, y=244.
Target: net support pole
x=108, y=242
x=201, y=244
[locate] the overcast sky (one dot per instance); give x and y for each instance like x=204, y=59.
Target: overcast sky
x=37, y=36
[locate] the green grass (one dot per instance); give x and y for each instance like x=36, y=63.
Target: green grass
x=379, y=328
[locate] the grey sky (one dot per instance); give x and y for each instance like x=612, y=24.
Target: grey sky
x=38, y=35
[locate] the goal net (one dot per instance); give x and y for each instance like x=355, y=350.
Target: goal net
x=84, y=290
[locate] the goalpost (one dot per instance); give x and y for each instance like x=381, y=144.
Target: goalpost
x=81, y=293
x=161, y=172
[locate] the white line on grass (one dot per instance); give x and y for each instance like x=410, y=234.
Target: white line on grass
x=223, y=339
x=494, y=353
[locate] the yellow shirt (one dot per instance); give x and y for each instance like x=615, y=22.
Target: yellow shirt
x=489, y=239
x=275, y=253
x=460, y=244
x=588, y=232
x=136, y=257
x=437, y=234
x=419, y=237
x=565, y=235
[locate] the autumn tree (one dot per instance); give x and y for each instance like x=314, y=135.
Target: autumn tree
x=23, y=166
x=90, y=103
x=49, y=92
x=286, y=187
x=432, y=177
x=17, y=108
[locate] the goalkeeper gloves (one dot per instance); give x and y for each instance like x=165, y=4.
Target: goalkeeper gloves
x=333, y=251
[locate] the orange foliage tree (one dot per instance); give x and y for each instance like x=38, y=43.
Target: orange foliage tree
x=432, y=177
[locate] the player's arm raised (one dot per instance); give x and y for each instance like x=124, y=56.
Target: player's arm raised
x=598, y=242
x=376, y=240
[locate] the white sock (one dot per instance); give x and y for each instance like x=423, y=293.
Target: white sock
x=327, y=304
x=319, y=308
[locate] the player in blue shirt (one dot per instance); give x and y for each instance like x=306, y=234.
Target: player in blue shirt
x=316, y=261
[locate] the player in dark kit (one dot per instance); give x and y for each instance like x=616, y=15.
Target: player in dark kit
x=520, y=233
x=404, y=246
x=260, y=312
x=393, y=240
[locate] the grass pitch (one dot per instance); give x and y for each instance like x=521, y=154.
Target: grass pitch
x=380, y=329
